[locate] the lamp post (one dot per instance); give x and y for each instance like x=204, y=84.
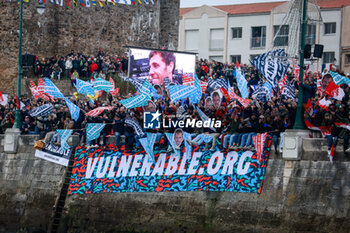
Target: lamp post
x=299, y=123
x=18, y=111
x=40, y=9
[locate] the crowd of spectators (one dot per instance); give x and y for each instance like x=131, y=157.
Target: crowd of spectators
x=239, y=124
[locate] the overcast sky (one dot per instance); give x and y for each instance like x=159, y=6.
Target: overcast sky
x=195, y=3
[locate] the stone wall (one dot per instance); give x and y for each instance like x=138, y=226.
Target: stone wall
x=310, y=195
x=61, y=29
x=29, y=188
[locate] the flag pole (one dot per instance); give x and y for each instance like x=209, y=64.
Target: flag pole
x=299, y=123
x=18, y=111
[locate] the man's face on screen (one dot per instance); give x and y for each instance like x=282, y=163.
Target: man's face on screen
x=159, y=70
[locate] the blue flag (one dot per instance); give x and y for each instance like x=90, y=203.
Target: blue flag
x=64, y=135
x=339, y=80
x=179, y=92
x=139, y=100
x=170, y=137
x=73, y=109
x=102, y=85
x=84, y=88
x=242, y=84
x=51, y=89
x=188, y=147
x=93, y=130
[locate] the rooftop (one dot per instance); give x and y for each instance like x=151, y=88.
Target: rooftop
x=266, y=7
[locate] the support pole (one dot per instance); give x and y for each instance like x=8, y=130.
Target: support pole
x=299, y=122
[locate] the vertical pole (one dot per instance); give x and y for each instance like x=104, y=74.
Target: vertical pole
x=299, y=123
x=18, y=112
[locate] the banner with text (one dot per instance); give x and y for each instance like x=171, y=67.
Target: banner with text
x=101, y=171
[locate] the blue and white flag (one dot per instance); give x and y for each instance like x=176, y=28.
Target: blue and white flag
x=102, y=85
x=51, y=89
x=43, y=110
x=87, y=3
x=84, y=88
x=136, y=82
x=170, y=137
x=339, y=80
x=288, y=91
x=93, y=130
x=268, y=88
x=73, y=109
x=62, y=3
x=179, y=92
x=188, y=147
x=148, y=143
x=139, y=100
x=135, y=125
x=215, y=84
x=64, y=135
x=272, y=65
x=204, y=117
x=242, y=84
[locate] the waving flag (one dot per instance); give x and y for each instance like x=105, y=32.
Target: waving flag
x=268, y=88
x=272, y=65
x=288, y=91
x=64, y=135
x=84, y=88
x=259, y=142
x=215, y=84
x=102, y=85
x=334, y=91
x=43, y=110
x=187, y=80
x=52, y=90
x=324, y=103
x=73, y=109
x=93, y=130
x=34, y=89
x=345, y=126
x=244, y=102
x=282, y=82
x=114, y=91
x=325, y=130
x=296, y=69
x=203, y=85
x=135, y=125
x=139, y=100
x=179, y=92
x=204, y=117
x=331, y=154
x=319, y=87
x=136, y=82
x=97, y=111
x=147, y=147
x=339, y=80
x=242, y=84
x=309, y=108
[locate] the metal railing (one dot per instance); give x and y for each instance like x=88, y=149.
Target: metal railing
x=258, y=42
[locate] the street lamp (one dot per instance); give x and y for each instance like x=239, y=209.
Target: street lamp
x=299, y=123
x=40, y=9
x=18, y=112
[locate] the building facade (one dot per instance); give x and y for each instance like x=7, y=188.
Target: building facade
x=240, y=32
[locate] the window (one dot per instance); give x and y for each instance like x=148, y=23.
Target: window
x=235, y=58
x=310, y=34
x=258, y=37
x=216, y=58
x=282, y=37
x=329, y=28
x=328, y=57
x=217, y=39
x=347, y=59
x=252, y=56
x=236, y=33
x=191, y=39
